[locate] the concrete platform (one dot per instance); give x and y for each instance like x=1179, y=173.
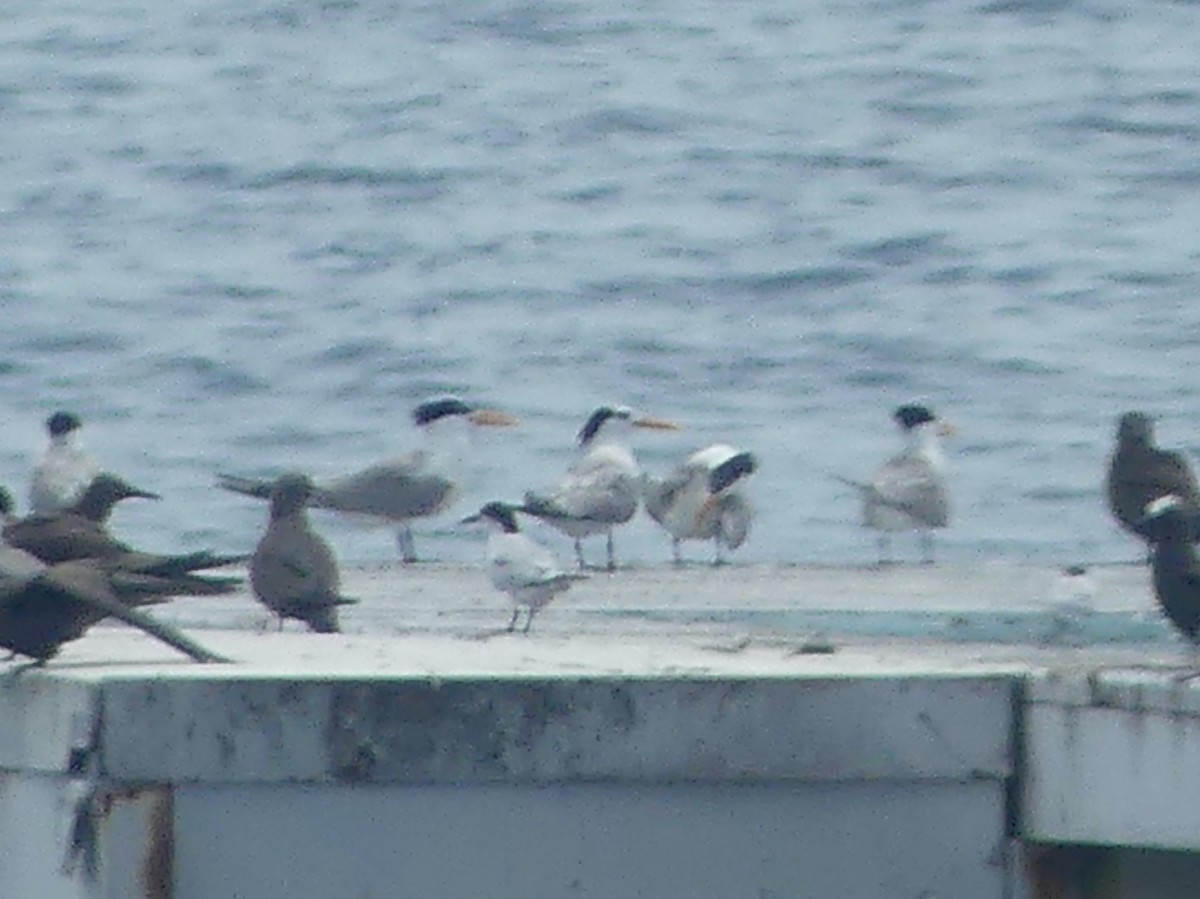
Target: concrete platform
x=659, y=733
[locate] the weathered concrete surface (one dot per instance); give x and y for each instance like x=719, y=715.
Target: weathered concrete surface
x=1110, y=758
x=660, y=732
x=986, y=602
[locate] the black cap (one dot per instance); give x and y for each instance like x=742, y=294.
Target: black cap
x=434, y=409
x=910, y=416
x=62, y=423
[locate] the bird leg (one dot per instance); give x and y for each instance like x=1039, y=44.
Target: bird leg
x=885, y=550
x=927, y=547
x=676, y=552
x=612, y=553
x=1193, y=666
x=579, y=553
x=529, y=620
x=718, y=558
x=408, y=548
x=512, y=625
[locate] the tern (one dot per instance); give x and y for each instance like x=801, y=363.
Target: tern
x=293, y=571
x=527, y=571
x=700, y=499
x=1139, y=473
x=909, y=492
x=64, y=470
x=602, y=489
x=398, y=490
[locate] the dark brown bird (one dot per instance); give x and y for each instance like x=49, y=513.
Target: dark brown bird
x=42, y=607
x=1140, y=473
x=81, y=532
x=1176, y=569
x=293, y=571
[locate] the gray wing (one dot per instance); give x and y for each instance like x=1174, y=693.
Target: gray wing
x=910, y=484
x=659, y=495
x=603, y=495
x=398, y=489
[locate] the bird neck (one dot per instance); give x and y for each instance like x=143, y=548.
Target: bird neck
x=923, y=440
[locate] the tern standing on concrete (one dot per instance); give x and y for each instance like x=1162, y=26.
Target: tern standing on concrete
x=602, y=489
x=1140, y=473
x=293, y=571
x=909, y=492
x=700, y=499
x=64, y=470
x=525, y=570
x=419, y=484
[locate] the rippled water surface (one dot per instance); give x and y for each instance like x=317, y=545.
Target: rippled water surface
x=250, y=236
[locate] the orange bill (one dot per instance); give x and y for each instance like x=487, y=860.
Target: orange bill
x=493, y=418
x=657, y=424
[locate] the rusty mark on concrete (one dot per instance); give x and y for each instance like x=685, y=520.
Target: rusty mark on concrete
x=158, y=865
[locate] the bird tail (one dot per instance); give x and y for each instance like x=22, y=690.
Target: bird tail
x=173, y=566
x=860, y=486
x=256, y=487
x=540, y=507
x=149, y=588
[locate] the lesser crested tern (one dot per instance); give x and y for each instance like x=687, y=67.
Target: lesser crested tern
x=527, y=571
x=1139, y=472
x=601, y=489
x=909, y=491
x=416, y=485
x=293, y=571
x=700, y=499
x=64, y=470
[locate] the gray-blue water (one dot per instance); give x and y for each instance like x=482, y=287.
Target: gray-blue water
x=250, y=236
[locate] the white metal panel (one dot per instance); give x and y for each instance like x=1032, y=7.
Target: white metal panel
x=605, y=841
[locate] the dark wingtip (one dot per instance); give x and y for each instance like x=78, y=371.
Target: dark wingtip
x=731, y=471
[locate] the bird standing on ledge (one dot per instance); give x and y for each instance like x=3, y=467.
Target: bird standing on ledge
x=1139, y=472
x=293, y=571
x=700, y=499
x=419, y=484
x=909, y=492
x=64, y=470
x=602, y=489
x=525, y=570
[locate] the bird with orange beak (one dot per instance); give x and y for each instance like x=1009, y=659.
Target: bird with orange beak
x=602, y=489
x=909, y=492
x=418, y=484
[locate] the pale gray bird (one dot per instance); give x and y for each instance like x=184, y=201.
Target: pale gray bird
x=293, y=571
x=909, y=492
x=64, y=471
x=527, y=571
x=701, y=500
x=602, y=489
x=396, y=491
